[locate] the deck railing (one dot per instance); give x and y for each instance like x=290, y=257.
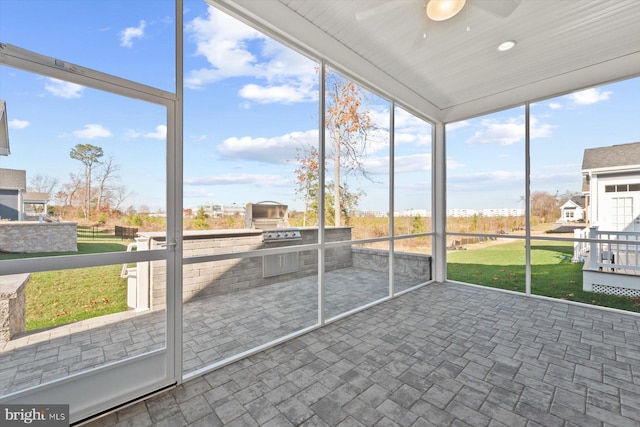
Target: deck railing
x=580, y=248
x=615, y=251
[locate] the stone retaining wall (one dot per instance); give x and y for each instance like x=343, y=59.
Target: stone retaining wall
x=416, y=266
x=32, y=236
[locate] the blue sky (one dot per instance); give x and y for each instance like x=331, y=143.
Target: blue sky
x=251, y=105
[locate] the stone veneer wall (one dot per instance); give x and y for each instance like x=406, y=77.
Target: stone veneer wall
x=31, y=236
x=416, y=266
x=219, y=277
x=12, y=305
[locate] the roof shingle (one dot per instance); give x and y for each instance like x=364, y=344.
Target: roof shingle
x=615, y=155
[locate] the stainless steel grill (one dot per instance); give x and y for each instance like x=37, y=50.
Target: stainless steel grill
x=272, y=217
x=279, y=235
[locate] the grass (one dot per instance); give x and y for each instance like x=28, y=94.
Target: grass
x=64, y=296
x=60, y=297
x=552, y=272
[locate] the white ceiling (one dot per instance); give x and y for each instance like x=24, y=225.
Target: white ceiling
x=562, y=46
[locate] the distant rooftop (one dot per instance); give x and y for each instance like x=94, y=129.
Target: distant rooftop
x=13, y=179
x=615, y=155
x=579, y=200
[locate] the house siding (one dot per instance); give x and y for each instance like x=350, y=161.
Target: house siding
x=603, y=202
x=9, y=204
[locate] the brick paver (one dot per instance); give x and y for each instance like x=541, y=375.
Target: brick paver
x=215, y=327
x=442, y=355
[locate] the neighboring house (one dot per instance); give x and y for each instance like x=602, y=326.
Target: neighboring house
x=13, y=183
x=573, y=210
x=15, y=202
x=612, y=186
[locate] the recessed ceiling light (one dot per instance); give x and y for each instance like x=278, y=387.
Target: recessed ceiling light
x=505, y=46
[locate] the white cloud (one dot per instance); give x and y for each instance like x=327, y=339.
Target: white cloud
x=234, y=49
x=589, y=96
x=410, y=129
x=498, y=133
x=509, y=132
x=63, y=89
x=489, y=179
x=555, y=105
x=132, y=134
x=450, y=127
x=18, y=124
x=160, y=133
x=276, y=150
x=285, y=94
x=403, y=164
x=454, y=164
x=92, y=131
x=128, y=34
x=240, y=179
x=413, y=163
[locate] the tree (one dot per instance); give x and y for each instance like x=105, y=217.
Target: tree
x=308, y=186
x=347, y=205
x=42, y=184
x=107, y=173
x=348, y=128
x=89, y=155
x=200, y=222
x=117, y=195
x=544, y=205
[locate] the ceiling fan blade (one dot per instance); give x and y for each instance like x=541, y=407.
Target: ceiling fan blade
x=380, y=9
x=502, y=8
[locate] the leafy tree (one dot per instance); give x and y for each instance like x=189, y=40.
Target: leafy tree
x=348, y=203
x=417, y=225
x=201, y=220
x=88, y=155
x=349, y=130
x=307, y=187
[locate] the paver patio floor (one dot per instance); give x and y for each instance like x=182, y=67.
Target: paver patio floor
x=442, y=355
x=215, y=327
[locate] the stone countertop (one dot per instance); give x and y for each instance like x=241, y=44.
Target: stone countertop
x=9, y=284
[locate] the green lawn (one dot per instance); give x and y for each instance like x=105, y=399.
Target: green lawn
x=59, y=297
x=552, y=272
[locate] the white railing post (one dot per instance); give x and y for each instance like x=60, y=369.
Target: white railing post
x=142, y=280
x=593, y=248
x=131, y=274
x=577, y=246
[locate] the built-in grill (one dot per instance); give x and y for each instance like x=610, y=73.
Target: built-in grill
x=272, y=217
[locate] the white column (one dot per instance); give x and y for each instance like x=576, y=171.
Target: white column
x=593, y=248
x=20, y=205
x=439, y=205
